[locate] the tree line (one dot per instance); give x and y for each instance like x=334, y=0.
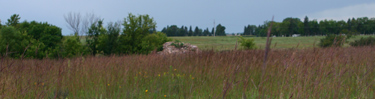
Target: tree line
x=174, y=30
x=290, y=26
x=42, y=40
x=287, y=27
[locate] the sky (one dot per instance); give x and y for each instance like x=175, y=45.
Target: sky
x=233, y=14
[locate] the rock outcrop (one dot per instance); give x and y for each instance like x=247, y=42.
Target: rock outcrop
x=168, y=48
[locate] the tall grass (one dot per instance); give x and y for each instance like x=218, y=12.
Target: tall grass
x=309, y=73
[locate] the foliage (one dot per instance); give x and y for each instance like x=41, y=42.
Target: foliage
x=246, y=43
x=72, y=47
x=290, y=26
x=11, y=42
x=249, y=30
x=177, y=44
x=220, y=30
x=92, y=38
x=45, y=33
x=108, y=41
x=332, y=41
x=134, y=31
x=0, y=25
x=369, y=41
x=30, y=39
x=155, y=41
x=14, y=20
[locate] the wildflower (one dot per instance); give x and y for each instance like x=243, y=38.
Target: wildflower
x=192, y=77
x=119, y=86
x=159, y=75
x=165, y=95
x=108, y=84
x=42, y=84
x=35, y=83
x=146, y=91
x=175, y=69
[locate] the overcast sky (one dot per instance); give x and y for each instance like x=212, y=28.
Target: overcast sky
x=233, y=14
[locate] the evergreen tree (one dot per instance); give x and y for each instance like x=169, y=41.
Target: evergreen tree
x=206, y=32
x=196, y=31
x=190, y=32
x=306, y=26
x=186, y=31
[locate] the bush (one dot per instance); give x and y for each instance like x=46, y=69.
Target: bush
x=154, y=41
x=177, y=44
x=72, y=47
x=247, y=43
x=332, y=41
x=12, y=42
x=369, y=41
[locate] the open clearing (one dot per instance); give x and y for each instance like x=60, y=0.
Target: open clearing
x=229, y=42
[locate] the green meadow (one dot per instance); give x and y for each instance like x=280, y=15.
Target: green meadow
x=229, y=42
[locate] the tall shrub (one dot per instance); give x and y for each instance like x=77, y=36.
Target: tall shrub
x=332, y=41
x=246, y=43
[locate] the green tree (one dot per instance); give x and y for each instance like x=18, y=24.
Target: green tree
x=190, y=33
x=108, y=41
x=315, y=30
x=206, y=32
x=14, y=20
x=249, y=30
x=306, y=26
x=135, y=29
x=197, y=31
x=220, y=30
x=290, y=26
x=93, y=36
x=1, y=25
x=45, y=39
x=11, y=42
x=72, y=47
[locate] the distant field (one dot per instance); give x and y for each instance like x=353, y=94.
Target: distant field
x=229, y=42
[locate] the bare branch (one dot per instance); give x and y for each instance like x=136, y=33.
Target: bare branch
x=87, y=21
x=73, y=20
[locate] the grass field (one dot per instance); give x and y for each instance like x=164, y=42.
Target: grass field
x=229, y=42
x=325, y=73
x=331, y=73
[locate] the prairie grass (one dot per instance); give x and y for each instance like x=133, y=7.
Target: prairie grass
x=294, y=73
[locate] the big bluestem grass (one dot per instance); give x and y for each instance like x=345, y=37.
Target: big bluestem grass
x=292, y=73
